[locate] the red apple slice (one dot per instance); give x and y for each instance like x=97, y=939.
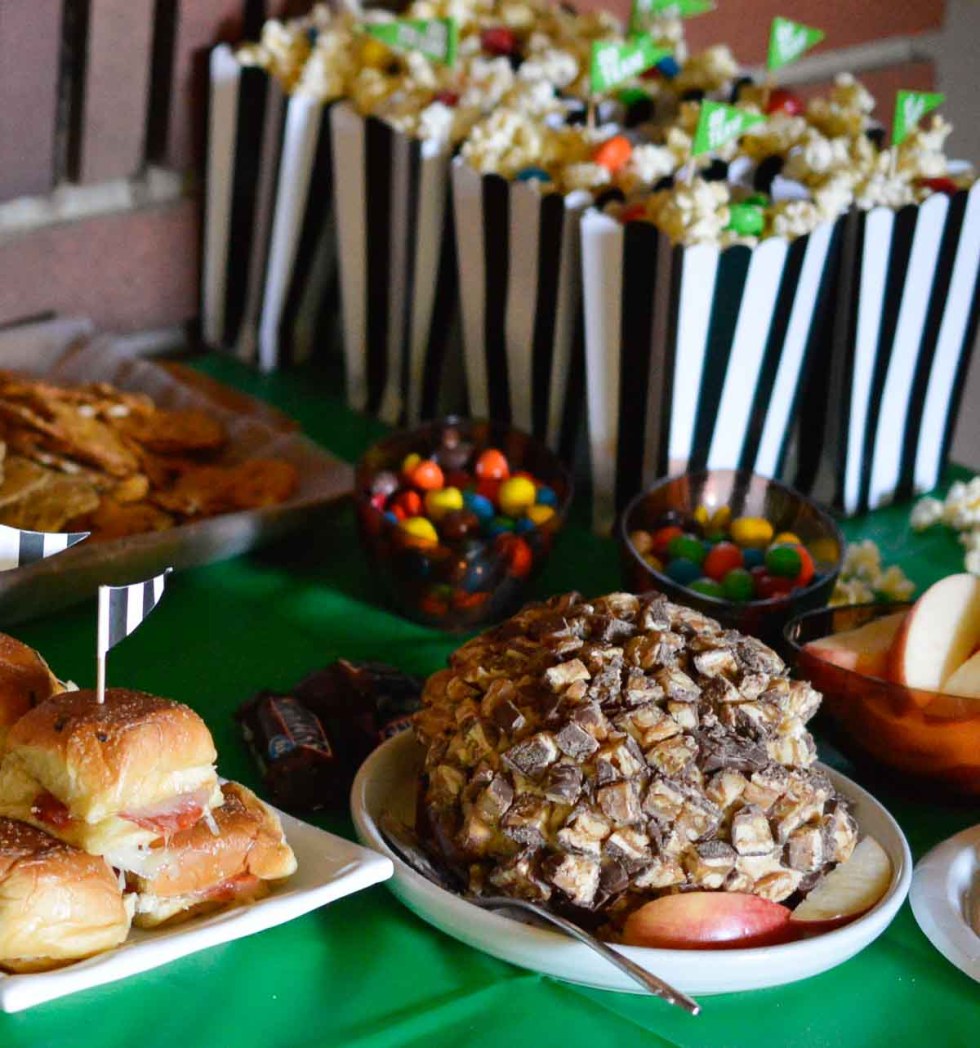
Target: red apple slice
x=863, y=650
x=965, y=681
x=939, y=633
x=848, y=890
x=707, y=920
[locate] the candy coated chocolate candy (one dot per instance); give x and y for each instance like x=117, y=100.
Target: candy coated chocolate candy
x=374, y=53
x=492, y=465
x=421, y=529
x=447, y=98
x=633, y=213
x=378, y=501
x=806, y=567
x=702, y=516
x=722, y=559
x=498, y=40
x=433, y=605
x=752, y=531
x=539, y=515
x=520, y=559
x=686, y=547
x=516, y=495
x=547, y=496
x=427, y=475
x=769, y=586
x=683, y=571
x=613, y=153
x=716, y=171
x=489, y=489
x=442, y=501
x=766, y=170
x=642, y=541
x=668, y=67
x=533, y=174
x=524, y=526
x=406, y=504
x=759, y=199
x=661, y=538
x=409, y=462
x=459, y=524
x=478, y=504
x=721, y=518
x=940, y=185
x=746, y=219
x=390, y=517
x=753, y=558
x=654, y=562
x=783, y=560
x=787, y=536
x=708, y=588
x=783, y=101
x=738, y=584
x=639, y=111
x=384, y=483
x=498, y=526
x=463, y=600
x=479, y=575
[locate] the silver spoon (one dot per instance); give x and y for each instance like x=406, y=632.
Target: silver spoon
x=402, y=840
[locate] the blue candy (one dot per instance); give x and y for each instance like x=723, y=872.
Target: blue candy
x=390, y=517
x=478, y=504
x=669, y=67
x=753, y=558
x=498, y=526
x=547, y=497
x=533, y=174
x=683, y=571
x=524, y=525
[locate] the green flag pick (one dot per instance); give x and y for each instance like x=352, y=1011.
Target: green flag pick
x=436, y=38
x=719, y=124
x=643, y=10
x=788, y=40
x=910, y=108
x=612, y=63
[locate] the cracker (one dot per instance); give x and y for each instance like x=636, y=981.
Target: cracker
x=175, y=432
x=48, y=507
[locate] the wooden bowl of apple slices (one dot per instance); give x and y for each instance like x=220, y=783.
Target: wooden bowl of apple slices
x=902, y=681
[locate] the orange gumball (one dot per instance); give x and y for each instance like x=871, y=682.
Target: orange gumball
x=427, y=475
x=492, y=465
x=806, y=567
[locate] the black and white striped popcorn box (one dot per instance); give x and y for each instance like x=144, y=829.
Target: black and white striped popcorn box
x=696, y=357
x=518, y=255
x=397, y=278
x=269, y=271
x=906, y=325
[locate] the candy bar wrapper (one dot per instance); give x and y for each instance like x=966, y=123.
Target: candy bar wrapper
x=397, y=279
x=269, y=274
x=906, y=325
x=697, y=357
x=518, y=253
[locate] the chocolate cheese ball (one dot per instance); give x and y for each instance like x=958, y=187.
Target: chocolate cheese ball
x=597, y=754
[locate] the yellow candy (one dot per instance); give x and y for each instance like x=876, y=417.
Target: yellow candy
x=375, y=54
x=540, y=514
x=701, y=515
x=721, y=518
x=754, y=532
x=445, y=500
x=516, y=495
x=789, y=537
x=421, y=529
x=409, y=462
x=655, y=562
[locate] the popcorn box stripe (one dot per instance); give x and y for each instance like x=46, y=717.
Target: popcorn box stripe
x=564, y=336
x=548, y=371
x=523, y=273
x=495, y=198
x=467, y=190
x=262, y=217
x=310, y=273
x=733, y=267
x=410, y=220
x=378, y=150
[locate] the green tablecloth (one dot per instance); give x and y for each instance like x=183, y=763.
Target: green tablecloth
x=365, y=971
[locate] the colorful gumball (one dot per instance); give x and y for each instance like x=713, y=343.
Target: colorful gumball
x=516, y=495
x=478, y=504
x=492, y=465
x=807, y=568
x=738, y=585
x=421, y=530
x=442, y=501
x=540, y=515
x=661, y=539
x=722, y=559
x=427, y=475
x=683, y=571
x=708, y=588
x=755, y=532
x=784, y=561
x=686, y=547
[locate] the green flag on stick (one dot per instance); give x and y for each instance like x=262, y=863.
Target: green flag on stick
x=720, y=123
x=910, y=108
x=436, y=38
x=789, y=40
x=612, y=63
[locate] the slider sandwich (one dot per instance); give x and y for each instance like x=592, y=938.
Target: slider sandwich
x=199, y=871
x=57, y=904
x=117, y=780
x=25, y=682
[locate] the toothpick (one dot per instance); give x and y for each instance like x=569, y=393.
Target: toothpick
x=590, y=109
x=767, y=90
x=102, y=644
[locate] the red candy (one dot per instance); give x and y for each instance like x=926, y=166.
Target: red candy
x=633, y=213
x=492, y=465
x=427, y=475
x=940, y=185
x=489, y=489
x=406, y=504
x=769, y=586
x=661, y=539
x=722, y=559
x=448, y=98
x=498, y=40
x=783, y=101
x=520, y=559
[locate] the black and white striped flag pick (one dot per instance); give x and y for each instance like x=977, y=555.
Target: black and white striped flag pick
x=20, y=548
x=121, y=610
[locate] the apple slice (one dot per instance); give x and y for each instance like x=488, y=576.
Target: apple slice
x=863, y=650
x=965, y=681
x=848, y=890
x=708, y=921
x=939, y=634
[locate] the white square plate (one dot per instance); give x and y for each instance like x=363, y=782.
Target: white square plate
x=328, y=868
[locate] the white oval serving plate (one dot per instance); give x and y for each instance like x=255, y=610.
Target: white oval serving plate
x=945, y=891
x=387, y=781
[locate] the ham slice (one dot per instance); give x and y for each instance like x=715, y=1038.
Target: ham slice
x=179, y=813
